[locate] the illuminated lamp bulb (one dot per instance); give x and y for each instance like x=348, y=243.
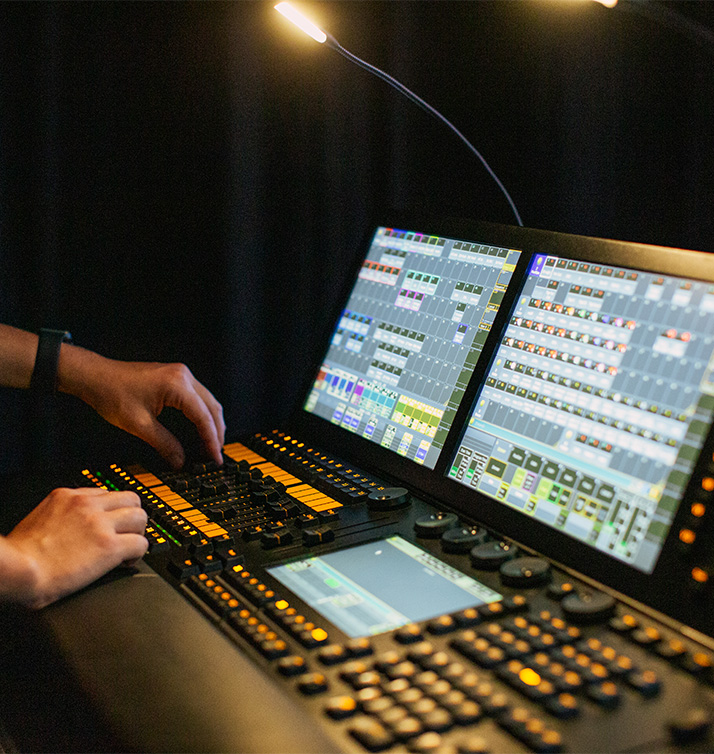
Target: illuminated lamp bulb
x=303, y=23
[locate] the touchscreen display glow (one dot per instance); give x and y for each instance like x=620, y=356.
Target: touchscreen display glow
x=379, y=586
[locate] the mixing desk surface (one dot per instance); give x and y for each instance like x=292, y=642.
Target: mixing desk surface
x=488, y=528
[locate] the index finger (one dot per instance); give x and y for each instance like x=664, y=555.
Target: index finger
x=210, y=426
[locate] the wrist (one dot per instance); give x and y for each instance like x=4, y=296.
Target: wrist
x=79, y=372
x=20, y=575
x=44, y=374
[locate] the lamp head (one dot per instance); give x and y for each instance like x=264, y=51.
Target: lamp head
x=302, y=22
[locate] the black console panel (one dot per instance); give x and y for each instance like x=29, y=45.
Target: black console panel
x=399, y=625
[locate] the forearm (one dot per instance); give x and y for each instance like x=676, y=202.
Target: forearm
x=78, y=371
x=17, y=356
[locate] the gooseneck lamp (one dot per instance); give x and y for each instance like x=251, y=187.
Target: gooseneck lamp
x=323, y=37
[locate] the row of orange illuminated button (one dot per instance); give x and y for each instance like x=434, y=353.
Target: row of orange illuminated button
x=692, y=659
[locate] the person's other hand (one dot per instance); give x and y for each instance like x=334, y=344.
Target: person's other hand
x=71, y=539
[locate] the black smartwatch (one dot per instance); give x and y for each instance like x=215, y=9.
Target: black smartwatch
x=44, y=375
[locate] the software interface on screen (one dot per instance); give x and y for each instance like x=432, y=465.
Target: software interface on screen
x=407, y=342
x=379, y=586
x=596, y=404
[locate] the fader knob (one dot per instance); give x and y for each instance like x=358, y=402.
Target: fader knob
x=389, y=499
x=213, y=489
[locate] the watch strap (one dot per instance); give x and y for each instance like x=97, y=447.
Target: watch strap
x=44, y=374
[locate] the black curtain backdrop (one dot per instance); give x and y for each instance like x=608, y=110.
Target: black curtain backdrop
x=191, y=180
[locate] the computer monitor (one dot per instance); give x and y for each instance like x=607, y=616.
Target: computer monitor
x=411, y=333
x=596, y=404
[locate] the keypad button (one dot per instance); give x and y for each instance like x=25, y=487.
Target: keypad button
x=439, y=720
x=563, y=706
x=371, y=734
x=341, y=707
x=605, y=694
x=693, y=725
x=312, y=683
x=474, y=745
x=407, y=728
x=442, y=625
x=646, y=682
x=467, y=712
x=292, y=665
x=360, y=647
x=333, y=654
x=409, y=634
x=426, y=743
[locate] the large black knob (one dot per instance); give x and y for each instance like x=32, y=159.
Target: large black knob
x=435, y=524
x=462, y=538
x=525, y=572
x=588, y=606
x=489, y=556
x=389, y=499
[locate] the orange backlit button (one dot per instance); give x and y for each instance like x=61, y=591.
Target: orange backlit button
x=708, y=484
x=605, y=694
x=687, y=536
x=571, y=681
x=352, y=670
x=409, y=634
x=371, y=734
x=341, y=707
x=624, y=623
x=312, y=683
x=529, y=677
x=333, y=654
x=672, y=650
x=699, y=662
x=700, y=576
x=698, y=510
x=272, y=649
x=292, y=665
x=319, y=634
x=563, y=706
x=621, y=665
x=359, y=647
x=647, y=636
x=646, y=682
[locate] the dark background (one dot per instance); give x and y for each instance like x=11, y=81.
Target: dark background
x=189, y=181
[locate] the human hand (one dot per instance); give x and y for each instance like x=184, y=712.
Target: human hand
x=131, y=395
x=68, y=541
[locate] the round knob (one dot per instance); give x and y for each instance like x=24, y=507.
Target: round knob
x=525, y=572
x=489, y=556
x=588, y=606
x=462, y=539
x=389, y=499
x=435, y=524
